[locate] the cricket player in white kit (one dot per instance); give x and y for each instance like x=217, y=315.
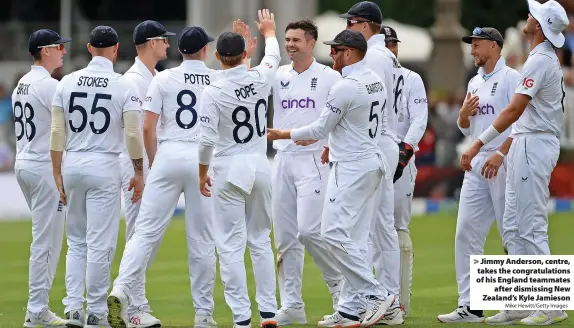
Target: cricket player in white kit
x=481, y=197
x=299, y=179
x=174, y=96
x=150, y=38
x=31, y=104
x=233, y=119
x=536, y=113
x=351, y=120
x=411, y=126
x=92, y=109
x=366, y=17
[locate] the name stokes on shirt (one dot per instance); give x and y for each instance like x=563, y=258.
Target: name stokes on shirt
x=93, y=81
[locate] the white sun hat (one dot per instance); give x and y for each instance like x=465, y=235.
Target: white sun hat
x=552, y=18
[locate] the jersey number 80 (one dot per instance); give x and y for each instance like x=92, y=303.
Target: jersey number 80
x=245, y=122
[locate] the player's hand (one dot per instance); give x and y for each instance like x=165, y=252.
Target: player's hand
x=137, y=185
x=468, y=155
x=60, y=185
x=266, y=23
x=204, y=182
x=406, y=151
x=490, y=167
x=243, y=29
x=276, y=134
x=305, y=142
x=325, y=155
x=469, y=106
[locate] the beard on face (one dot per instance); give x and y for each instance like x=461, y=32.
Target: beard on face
x=338, y=64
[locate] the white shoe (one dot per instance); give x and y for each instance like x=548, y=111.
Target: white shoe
x=76, y=318
x=507, y=318
x=290, y=316
x=204, y=321
x=46, y=320
x=241, y=326
x=118, y=309
x=93, y=321
x=269, y=323
x=544, y=318
x=393, y=317
x=376, y=309
x=461, y=314
x=142, y=319
x=338, y=321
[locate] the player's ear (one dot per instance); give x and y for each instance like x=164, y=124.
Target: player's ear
x=217, y=56
x=244, y=54
x=89, y=49
x=312, y=43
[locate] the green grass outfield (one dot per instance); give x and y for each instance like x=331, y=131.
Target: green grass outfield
x=434, y=286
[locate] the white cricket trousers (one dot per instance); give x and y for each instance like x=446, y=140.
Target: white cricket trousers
x=131, y=210
x=481, y=202
x=299, y=187
x=350, y=203
x=92, y=185
x=48, y=217
x=242, y=217
x=531, y=160
x=386, y=255
x=175, y=170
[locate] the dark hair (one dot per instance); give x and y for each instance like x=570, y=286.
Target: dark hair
x=306, y=25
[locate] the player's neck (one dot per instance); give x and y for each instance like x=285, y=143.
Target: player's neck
x=490, y=64
x=302, y=65
x=46, y=66
x=537, y=40
x=149, y=62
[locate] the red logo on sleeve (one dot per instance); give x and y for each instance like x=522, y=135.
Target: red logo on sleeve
x=528, y=83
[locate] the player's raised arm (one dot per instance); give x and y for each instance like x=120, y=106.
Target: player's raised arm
x=270, y=62
x=337, y=103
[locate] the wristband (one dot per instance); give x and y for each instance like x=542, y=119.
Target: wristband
x=500, y=153
x=488, y=135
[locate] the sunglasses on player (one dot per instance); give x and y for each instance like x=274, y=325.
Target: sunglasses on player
x=59, y=46
x=351, y=22
x=164, y=38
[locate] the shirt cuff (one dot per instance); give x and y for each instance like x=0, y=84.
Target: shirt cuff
x=205, y=153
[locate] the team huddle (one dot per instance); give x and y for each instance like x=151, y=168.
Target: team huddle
x=340, y=186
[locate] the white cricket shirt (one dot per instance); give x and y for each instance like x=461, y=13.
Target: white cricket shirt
x=351, y=117
x=31, y=106
x=298, y=99
x=234, y=109
x=383, y=62
x=176, y=95
x=543, y=81
x=411, y=126
x=494, y=91
x=94, y=99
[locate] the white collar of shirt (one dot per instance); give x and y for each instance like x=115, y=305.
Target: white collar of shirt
x=543, y=47
x=236, y=71
x=101, y=63
x=142, y=68
x=347, y=70
x=375, y=39
x=500, y=64
x=314, y=65
x=192, y=64
x=40, y=70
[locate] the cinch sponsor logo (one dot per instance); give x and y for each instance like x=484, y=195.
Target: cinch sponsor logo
x=298, y=103
x=333, y=108
x=484, y=110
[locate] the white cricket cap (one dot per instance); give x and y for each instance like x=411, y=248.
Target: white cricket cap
x=552, y=18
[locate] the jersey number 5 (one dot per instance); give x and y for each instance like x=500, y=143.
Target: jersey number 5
x=95, y=109
x=245, y=122
x=374, y=116
x=25, y=121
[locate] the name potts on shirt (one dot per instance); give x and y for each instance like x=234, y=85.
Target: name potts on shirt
x=487, y=109
x=93, y=81
x=298, y=103
x=196, y=79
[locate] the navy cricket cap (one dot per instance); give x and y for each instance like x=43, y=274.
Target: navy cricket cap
x=230, y=44
x=389, y=33
x=349, y=38
x=485, y=33
x=149, y=29
x=192, y=39
x=103, y=37
x=365, y=9
x=44, y=37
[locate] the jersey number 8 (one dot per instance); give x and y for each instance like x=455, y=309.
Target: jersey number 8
x=184, y=107
x=25, y=121
x=245, y=122
x=95, y=109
